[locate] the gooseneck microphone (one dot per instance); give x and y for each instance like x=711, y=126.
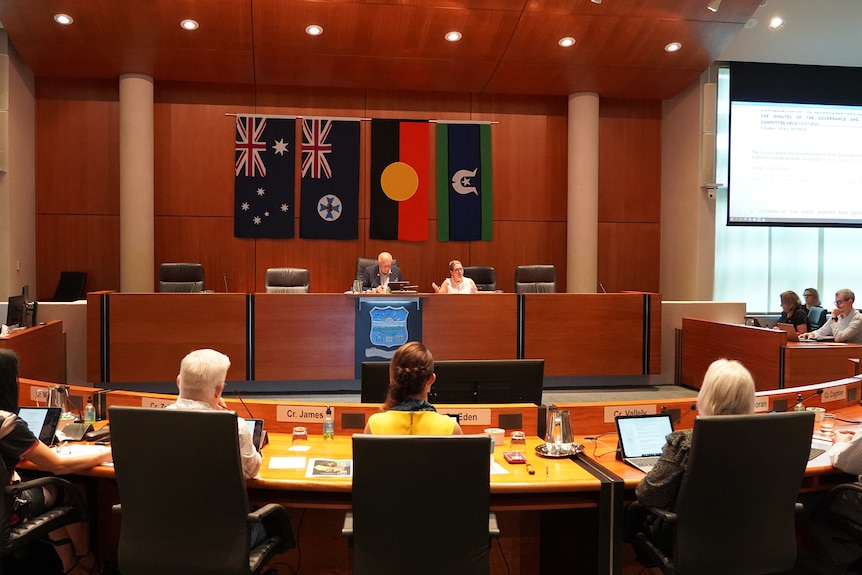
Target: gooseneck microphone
x=225, y=282
x=678, y=412
x=239, y=397
x=801, y=401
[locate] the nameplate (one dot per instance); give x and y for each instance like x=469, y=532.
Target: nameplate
x=156, y=403
x=834, y=394
x=761, y=404
x=469, y=416
x=612, y=411
x=302, y=413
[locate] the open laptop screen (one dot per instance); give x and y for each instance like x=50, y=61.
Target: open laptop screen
x=643, y=435
x=42, y=421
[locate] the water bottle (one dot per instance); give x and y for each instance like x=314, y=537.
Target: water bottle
x=328, y=425
x=799, y=405
x=89, y=411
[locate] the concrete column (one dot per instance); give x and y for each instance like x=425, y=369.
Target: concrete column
x=136, y=183
x=583, y=194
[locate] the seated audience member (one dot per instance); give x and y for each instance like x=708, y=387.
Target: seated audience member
x=456, y=283
x=377, y=277
x=846, y=451
x=17, y=442
x=406, y=410
x=812, y=298
x=792, y=312
x=845, y=324
x=728, y=389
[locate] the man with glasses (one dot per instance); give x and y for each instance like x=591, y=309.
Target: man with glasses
x=845, y=324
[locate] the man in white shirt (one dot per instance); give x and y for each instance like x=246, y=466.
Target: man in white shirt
x=201, y=382
x=845, y=324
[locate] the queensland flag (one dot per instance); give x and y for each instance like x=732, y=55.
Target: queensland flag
x=464, y=182
x=329, y=192
x=265, y=172
x=399, y=180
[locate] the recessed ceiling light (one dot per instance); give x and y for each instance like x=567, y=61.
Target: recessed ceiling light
x=566, y=42
x=713, y=6
x=453, y=36
x=751, y=23
x=672, y=47
x=314, y=30
x=596, y=1
x=63, y=19
x=189, y=24
x=776, y=23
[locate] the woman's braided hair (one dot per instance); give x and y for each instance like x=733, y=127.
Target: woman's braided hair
x=409, y=371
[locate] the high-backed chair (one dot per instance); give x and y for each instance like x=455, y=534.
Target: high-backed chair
x=181, y=277
x=14, y=539
x=836, y=524
x=816, y=317
x=183, y=498
x=362, y=263
x=536, y=279
x=70, y=287
x=286, y=280
x=420, y=505
x=485, y=277
x=736, y=507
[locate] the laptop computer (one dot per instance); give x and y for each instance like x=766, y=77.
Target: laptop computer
x=793, y=335
x=642, y=438
x=258, y=434
x=42, y=421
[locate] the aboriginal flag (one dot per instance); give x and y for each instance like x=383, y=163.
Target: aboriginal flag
x=464, y=182
x=400, y=163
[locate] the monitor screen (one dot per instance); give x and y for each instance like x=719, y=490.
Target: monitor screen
x=15, y=311
x=467, y=381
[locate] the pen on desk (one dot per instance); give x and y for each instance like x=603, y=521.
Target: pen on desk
x=530, y=469
x=547, y=471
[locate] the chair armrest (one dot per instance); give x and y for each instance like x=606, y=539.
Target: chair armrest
x=668, y=516
x=347, y=528
x=276, y=522
x=493, y=528
x=798, y=508
x=71, y=495
x=117, y=509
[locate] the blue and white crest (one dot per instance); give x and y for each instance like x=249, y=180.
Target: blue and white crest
x=388, y=326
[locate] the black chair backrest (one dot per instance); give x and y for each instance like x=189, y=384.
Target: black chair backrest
x=536, y=279
x=420, y=504
x=5, y=509
x=485, y=277
x=362, y=263
x=181, y=277
x=182, y=491
x=70, y=287
x=816, y=317
x=736, y=503
x=286, y=280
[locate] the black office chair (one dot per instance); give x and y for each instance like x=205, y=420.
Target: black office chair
x=485, y=277
x=70, y=287
x=836, y=525
x=181, y=277
x=362, y=263
x=420, y=505
x=13, y=540
x=816, y=318
x=536, y=279
x=183, y=497
x=736, y=507
x=286, y=280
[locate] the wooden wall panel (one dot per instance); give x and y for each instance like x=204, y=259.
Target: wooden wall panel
x=88, y=243
x=629, y=256
x=630, y=161
x=209, y=241
x=490, y=319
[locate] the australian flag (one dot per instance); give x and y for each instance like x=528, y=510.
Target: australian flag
x=329, y=204
x=265, y=174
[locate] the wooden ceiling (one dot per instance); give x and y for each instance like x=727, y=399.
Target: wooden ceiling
x=508, y=46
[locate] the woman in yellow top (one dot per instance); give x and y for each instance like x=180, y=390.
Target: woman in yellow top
x=406, y=410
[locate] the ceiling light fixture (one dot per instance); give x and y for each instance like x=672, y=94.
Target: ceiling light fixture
x=453, y=36
x=566, y=42
x=776, y=23
x=713, y=6
x=596, y=1
x=673, y=47
x=63, y=19
x=189, y=24
x=314, y=30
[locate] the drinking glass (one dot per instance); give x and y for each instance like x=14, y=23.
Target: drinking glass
x=300, y=435
x=518, y=442
x=827, y=424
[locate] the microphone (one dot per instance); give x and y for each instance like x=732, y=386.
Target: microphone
x=601, y=285
x=239, y=397
x=225, y=282
x=801, y=401
x=676, y=415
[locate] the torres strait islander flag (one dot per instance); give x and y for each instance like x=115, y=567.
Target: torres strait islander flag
x=400, y=162
x=329, y=192
x=264, y=183
x=464, y=182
